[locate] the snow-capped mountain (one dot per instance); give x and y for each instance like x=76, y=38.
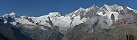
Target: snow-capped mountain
x=89, y=20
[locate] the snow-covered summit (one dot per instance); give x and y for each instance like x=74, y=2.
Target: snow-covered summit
x=12, y=15
x=54, y=14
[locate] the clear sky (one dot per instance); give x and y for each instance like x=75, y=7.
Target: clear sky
x=43, y=7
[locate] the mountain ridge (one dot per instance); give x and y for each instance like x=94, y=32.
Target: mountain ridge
x=87, y=20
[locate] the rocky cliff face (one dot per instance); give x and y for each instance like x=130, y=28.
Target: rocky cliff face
x=109, y=22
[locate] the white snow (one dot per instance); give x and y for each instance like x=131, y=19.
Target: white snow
x=77, y=21
x=130, y=8
x=100, y=13
x=13, y=23
x=54, y=14
x=23, y=21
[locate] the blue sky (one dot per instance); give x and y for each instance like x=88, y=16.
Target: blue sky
x=43, y=7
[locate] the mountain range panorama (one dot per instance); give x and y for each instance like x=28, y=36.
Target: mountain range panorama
x=109, y=22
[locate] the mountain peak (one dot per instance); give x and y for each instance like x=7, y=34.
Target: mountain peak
x=12, y=15
x=80, y=9
x=54, y=14
x=112, y=7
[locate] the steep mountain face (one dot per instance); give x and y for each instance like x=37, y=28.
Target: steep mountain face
x=109, y=22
